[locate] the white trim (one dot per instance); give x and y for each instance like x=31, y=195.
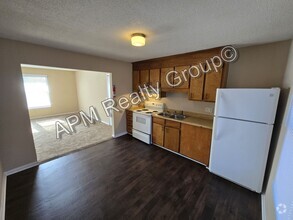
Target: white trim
x=107, y=123
x=263, y=207
x=49, y=116
x=3, y=197
x=119, y=135
x=21, y=168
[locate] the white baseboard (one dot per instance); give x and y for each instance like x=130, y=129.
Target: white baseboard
x=119, y=135
x=3, y=197
x=21, y=168
x=263, y=207
x=55, y=115
x=107, y=123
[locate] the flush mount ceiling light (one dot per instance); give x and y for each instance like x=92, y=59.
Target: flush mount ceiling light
x=138, y=39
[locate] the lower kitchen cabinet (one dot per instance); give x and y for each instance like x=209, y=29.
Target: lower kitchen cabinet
x=195, y=143
x=189, y=140
x=129, y=121
x=172, y=138
x=158, y=134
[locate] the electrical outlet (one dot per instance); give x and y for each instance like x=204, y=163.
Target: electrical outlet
x=209, y=109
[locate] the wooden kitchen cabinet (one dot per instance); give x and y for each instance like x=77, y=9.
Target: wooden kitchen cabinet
x=144, y=77
x=129, y=118
x=196, y=84
x=164, y=72
x=135, y=80
x=171, y=139
x=172, y=135
x=184, y=83
x=158, y=134
x=195, y=143
x=155, y=77
x=202, y=88
x=213, y=80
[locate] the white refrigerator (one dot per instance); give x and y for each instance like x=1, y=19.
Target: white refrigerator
x=242, y=130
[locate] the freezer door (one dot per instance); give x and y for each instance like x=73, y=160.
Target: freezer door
x=239, y=151
x=258, y=105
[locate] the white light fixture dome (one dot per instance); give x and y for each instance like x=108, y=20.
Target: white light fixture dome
x=138, y=39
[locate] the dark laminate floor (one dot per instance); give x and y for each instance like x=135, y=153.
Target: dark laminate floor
x=125, y=178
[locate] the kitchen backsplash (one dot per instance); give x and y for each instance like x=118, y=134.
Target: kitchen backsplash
x=180, y=101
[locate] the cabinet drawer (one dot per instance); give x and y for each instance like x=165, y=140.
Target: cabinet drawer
x=128, y=113
x=159, y=121
x=129, y=123
x=172, y=124
x=129, y=129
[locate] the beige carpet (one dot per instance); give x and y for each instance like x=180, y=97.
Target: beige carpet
x=48, y=146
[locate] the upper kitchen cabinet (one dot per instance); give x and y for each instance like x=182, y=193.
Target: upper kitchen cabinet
x=164, y=74
x=144, y=77
x=213, y=80
x=202, y=88
x=155, y=77
x=196, y=83
x=181, y=77
x=135, y=80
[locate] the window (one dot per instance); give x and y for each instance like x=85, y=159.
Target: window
x=37, y=91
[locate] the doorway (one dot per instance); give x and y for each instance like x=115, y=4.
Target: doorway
x=65, y=109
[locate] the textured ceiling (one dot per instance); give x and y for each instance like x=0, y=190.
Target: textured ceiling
x=103, y=27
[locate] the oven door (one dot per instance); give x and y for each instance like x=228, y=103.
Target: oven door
x=142, y=123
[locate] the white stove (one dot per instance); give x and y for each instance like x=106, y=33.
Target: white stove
x=142, y=120
x=151, y=107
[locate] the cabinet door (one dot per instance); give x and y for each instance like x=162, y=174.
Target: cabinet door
x=154, y=77
x=135, y=80
x=171, y=140
x=164, y=72
x=181, y=72
x=144, y=77
x=129, y=121
x=196, y=84
x=195, y=142
x=158, y=134
x=213, y=81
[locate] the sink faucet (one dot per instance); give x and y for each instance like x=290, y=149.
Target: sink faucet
x=179, y=112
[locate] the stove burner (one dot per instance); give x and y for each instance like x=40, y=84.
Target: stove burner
x=138, y=110
x=155, y=111
x=144, y=109
x=149, y=112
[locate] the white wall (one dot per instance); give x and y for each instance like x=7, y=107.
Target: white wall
x=16, y=140
x=287, y=83
x=92, y=89
x=259, y=66
x=179, y=101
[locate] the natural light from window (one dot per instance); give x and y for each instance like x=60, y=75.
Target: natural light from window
x=37, y=91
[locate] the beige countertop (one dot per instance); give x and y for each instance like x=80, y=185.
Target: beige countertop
x=192, y=120
x=200, y=120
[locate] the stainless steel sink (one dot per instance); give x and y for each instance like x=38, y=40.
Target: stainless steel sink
x=174, y=116
x=178, y=117
x=165, y=114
